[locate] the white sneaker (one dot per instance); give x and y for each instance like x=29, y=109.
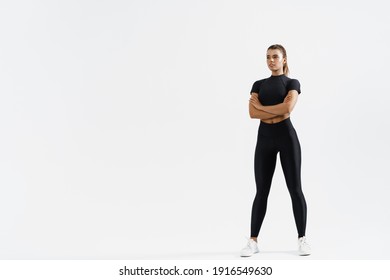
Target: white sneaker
x=250, y=249
x=303, y=248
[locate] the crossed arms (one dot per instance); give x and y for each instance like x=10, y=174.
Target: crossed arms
x=259, y=111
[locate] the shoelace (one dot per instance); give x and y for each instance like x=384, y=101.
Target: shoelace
x=248, y=239
x=303, y=242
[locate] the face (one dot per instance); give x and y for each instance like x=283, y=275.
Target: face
x=275, y=60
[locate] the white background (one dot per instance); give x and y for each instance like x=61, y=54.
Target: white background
x=125, y=131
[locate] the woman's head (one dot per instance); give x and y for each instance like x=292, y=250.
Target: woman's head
x=277, y=59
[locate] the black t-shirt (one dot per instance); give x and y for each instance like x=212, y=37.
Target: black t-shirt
x=274, y=89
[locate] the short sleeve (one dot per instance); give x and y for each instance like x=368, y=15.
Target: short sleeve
x=294, y=84
x=255, y=87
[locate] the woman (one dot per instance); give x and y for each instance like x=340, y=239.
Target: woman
x=272, y=100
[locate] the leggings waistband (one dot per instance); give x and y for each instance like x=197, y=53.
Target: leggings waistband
x=284, y=123
x=281, y=126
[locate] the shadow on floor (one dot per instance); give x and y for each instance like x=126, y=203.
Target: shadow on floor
x=220, y=255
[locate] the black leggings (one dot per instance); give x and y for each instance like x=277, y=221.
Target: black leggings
x=273, y=138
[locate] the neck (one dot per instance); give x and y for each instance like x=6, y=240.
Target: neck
x=277, y=73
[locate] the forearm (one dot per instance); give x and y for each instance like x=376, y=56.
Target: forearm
x=282, y=108
x=278, y=109
x=259, y=114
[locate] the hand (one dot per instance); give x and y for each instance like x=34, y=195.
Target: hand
x=254, y=100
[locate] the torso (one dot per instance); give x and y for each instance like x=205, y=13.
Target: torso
x=273, y=90
x=276, y=119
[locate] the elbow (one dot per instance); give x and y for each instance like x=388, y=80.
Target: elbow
x=289, y=108
x=251, y=112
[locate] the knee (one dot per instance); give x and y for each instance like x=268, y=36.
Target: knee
x=262, y=195
x=296, y=193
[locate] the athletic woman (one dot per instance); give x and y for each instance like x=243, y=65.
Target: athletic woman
x=272, y=101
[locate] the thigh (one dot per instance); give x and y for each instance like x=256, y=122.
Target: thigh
x=290, y=158
x=265, y=161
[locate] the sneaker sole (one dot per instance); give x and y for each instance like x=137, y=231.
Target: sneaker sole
x=246, y=256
